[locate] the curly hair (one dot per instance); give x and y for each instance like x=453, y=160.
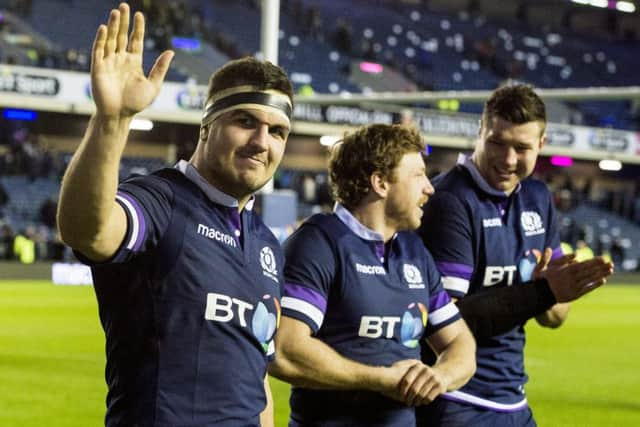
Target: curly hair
x=371, y=149
x=516, y=103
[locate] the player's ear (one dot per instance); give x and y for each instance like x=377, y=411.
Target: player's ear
x=204, y=132
x=379, y=184
x=543, y=140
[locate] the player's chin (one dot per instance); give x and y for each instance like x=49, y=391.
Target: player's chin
x=253, y=181
x=415, y=220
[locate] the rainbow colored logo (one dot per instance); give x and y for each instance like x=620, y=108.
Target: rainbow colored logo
x=414, y=320
x=266, y=319
x=528, y=263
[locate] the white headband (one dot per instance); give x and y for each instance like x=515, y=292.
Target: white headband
x=241, y=97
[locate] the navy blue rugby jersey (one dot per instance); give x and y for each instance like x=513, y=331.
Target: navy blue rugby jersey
x=189, y=305
x=371, y=304
x=480, y=239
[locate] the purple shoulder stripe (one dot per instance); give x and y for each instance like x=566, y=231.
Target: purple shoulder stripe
x=139, y=226
x=454, y=269
x=438, y=300
x=306, y=294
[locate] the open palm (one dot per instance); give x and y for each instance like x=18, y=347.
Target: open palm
x=120, y=88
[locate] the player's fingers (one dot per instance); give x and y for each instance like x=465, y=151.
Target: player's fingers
x=408, y=379
x=123, y=29
x=112, y=32
x=592, y=286
x=429, y=392
x=434, y=392
x=542, y=263
x=564, y=259
x=416, y=391
x=159, y=70
x=136, y=40
x=98, y=47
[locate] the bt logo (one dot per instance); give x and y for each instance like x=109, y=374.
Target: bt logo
x=412, y=325
x=377, y=326
x=264, y=321
x=497, y=274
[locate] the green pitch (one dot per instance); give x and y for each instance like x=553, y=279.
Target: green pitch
x=586, y=373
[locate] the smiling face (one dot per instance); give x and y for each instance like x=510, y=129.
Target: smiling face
x=239, y=151
x=409, y=189
x=506, y=153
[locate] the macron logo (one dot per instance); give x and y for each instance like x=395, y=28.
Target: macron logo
x=370, y=269
x=491, y=222
x=214, y=234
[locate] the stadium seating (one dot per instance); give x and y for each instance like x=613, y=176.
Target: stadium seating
x=435, y=50
x=603, y=230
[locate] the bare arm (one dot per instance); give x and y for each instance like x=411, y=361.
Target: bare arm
x=266, y=416
x=303, y=360
x=455, y=365
x=554, y=317
x=89, y=219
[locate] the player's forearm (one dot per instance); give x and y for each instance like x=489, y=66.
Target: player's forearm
x=266, y=416
x=313, y=364
x=457, y=361
x=554, y=317
x=89, y=185
x=497, y=311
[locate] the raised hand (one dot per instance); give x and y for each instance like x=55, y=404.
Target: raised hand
x=120, y=88
x=569, y=281
x=545, y=261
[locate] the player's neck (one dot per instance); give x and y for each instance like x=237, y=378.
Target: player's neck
x=372, y=216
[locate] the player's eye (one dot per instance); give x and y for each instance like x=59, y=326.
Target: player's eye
x=245, y=120
x=278, y=131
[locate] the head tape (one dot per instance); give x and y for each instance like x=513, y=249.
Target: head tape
x=247, y=97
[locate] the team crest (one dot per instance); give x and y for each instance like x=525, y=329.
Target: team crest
x=268, y=263
x=413, y=276
x=531, y=223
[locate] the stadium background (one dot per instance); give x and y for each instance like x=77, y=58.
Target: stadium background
x=426, y=63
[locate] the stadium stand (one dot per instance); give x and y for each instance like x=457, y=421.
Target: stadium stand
x=319, y=42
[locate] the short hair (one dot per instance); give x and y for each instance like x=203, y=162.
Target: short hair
x=370, y=149
x=516, y=103
x=249, y=71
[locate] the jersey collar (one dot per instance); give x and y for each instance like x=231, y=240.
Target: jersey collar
x=212, y=192
x=356, y=226
x=465, y=162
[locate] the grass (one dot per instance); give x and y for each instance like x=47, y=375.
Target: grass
x=586, y=373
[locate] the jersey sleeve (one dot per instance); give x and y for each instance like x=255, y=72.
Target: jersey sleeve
x=308, y=274
x=147, y=204
x=441, y=310
x=448, y=234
